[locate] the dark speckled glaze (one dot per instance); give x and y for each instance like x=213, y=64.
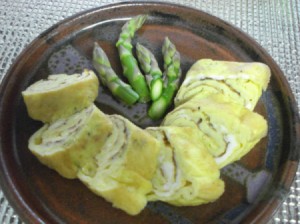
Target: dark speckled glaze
x=255, y=186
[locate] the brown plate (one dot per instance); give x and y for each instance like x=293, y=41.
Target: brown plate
x=255, y=186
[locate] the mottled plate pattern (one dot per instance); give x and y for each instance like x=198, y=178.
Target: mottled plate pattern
x=255, y=186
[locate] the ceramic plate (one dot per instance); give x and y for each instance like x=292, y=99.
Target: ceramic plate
x=255, y=186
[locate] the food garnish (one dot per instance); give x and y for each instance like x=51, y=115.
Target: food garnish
x=172, y=75
x=151, y=70
x=130, y=66
x=109, y=78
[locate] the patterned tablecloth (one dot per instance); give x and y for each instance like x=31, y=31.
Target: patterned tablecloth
x=275, y=24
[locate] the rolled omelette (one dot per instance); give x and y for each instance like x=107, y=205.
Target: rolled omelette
x=228, y=130
x=69, y=145
x=186, y=175
x=126, y=165
x=241, y=82
x=60, y=95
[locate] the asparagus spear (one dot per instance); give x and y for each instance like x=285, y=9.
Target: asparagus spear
x=152, y=71
x=108, y=77
x=172, y=74
x=128, y=61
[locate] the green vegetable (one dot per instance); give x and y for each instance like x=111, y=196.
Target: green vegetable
x=172, y=74
x=152, y=71
x=108, y=77
x=129, y=63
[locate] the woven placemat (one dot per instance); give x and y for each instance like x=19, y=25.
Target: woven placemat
x=275, y=25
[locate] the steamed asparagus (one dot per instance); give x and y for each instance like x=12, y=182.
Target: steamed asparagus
x=152, y=71
x=130, y=67
x=172, y=74
x=108, y=77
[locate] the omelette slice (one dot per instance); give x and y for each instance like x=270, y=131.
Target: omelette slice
x=60, y=95
x=241, y=82
x=187, y=174
x=227, y=129
x=70, y=144
x=126, y=165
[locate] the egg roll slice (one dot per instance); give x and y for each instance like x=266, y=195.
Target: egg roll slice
x=60, y=95
x=69, y=145
x=126, y=165
x=186, y=175
x=241, y=82
x=228, y=130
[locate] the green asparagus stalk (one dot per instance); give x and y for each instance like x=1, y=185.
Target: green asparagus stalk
x=129, y=63
x=108, y=77
x=151, y=70
x=172, y=74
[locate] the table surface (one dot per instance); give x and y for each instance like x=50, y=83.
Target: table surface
x=274, y=24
